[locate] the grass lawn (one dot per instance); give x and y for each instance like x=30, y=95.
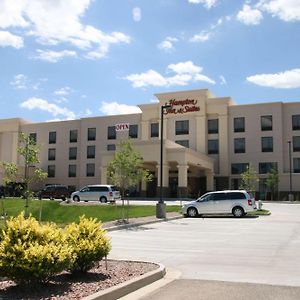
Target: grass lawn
x=259, y=212
x=64, y=214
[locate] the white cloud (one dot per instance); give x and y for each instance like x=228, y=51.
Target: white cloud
x=137, y=14
x=64, y=91
x=20, y=82
x=249, y=16
x=44, y=105
x=8, y=39
x=207, y=3
x=54, y=56
x=185, y=73
x=284, y=80
x=286, y=10
x=115, y=108
x=201, y=37
x=223, y=80
x=167, y=44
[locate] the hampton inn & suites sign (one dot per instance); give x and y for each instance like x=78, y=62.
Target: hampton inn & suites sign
x=181, y=106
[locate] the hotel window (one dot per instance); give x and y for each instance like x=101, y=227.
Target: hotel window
x=73, y=136
x=296, y=122
x=239, y=145
x=154, y=130
x=91, y=134
x=266, y=123
x=239, y=124
x=296, y=163
x=32, y=137
x=296, y=143
x=111, y=133
x=213, y=146
x=52, y=137
x=267, y=144
x=51, y=154
x=72, y=171
x=90, y=170
x=51, y=171
x=133, y=131
x=184, y=143
x=239, y=168
x=213, y=126
x=91, y=150
x=111, y=147
x=72, y=153
x=182, y=127
x=266, y=167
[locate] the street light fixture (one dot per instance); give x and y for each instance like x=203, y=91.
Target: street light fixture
x=161, y=206
x=290, y=160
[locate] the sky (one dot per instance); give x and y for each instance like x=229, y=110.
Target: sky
x=71, y=59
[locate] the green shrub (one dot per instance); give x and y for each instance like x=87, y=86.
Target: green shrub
x=89, y=242
x=33, y=252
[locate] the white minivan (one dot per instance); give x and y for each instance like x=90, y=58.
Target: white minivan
x=98, y=192
x=236, y=202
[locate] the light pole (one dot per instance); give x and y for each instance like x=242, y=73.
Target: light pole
x=290, y=160
x=161, y=206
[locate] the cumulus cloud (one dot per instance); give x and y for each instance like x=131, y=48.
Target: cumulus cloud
x=115, y=108
x=201, y=37
x=54, y=56
x=64, y=91
x=283, y=80
x=44, y=105
x=184, y=73
x=20, y=82
x=137, y=14
x=207, y=3
x=249, y=16
x=167, y=44
x=11, y=40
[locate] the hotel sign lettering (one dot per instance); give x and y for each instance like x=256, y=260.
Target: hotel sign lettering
x=122, y=127
x=182, y=106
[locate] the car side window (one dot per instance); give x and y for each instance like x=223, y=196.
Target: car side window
x=236, y=196
x=219, y=197
x=84, y=190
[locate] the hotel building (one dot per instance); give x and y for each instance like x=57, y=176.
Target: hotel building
x=208, y=142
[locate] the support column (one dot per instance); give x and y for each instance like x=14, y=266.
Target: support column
x=165, y=181
x=144, y=130
x=223, y=146
x=182, y=181
x=143, y=189
x=201, y=134
x=209, y=180
x=103, y=175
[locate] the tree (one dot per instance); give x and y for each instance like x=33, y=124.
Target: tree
x=126, y=169
x=272, y=180
x=249, y=179
x=29, y=150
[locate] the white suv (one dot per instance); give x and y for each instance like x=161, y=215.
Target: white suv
x=235, y=202
x=102, y=193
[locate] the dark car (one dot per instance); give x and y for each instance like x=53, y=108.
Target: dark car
x=2, y=191
x=54, y=192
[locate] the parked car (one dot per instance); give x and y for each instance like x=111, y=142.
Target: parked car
x=236, y=202
x=102, y=193
x=54, y=191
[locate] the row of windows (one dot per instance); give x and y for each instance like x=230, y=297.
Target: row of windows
x=90, y=170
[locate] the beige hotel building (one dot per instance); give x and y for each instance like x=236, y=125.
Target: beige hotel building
x=208, y=141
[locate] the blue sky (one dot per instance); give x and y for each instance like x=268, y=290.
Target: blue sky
x=68, y=59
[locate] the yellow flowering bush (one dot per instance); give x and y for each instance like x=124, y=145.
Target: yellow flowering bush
x=30, y=251
x=89, y=242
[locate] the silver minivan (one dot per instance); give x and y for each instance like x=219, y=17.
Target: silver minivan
x=236, y=202
x=98, y=192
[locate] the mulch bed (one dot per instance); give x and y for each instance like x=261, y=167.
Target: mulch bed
x=64, y=286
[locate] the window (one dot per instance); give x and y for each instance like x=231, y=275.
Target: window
x=91, y=150
x=296, y=143
x=72, y=153
x=133, y=131
x=51, y=154
x=213, y=126
x=239, y=168
x=239, y=145
x=218, y=196
x=267, y=144
x=239, y=124
x=52, y=137
x=266, y=123
x=213, y=147
x=32, y=137
x=111, y=147
x=91, y=134
x=296, y=122
x=236, y=196
x=111, y=133
x=90, y=170
x=296, y=162
x=184, y=143
x=266, y=167
x=182, y=127
x=51, y=171
x=72, y=170
x=154, y=130
x=73, y=136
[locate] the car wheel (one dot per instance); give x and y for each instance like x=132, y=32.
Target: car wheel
x=76, y=198
x=192, y=212
x=63, y=198
x=103, y=199
x=238, y=212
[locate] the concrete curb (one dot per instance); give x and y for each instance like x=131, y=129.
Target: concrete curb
x=130, y=286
